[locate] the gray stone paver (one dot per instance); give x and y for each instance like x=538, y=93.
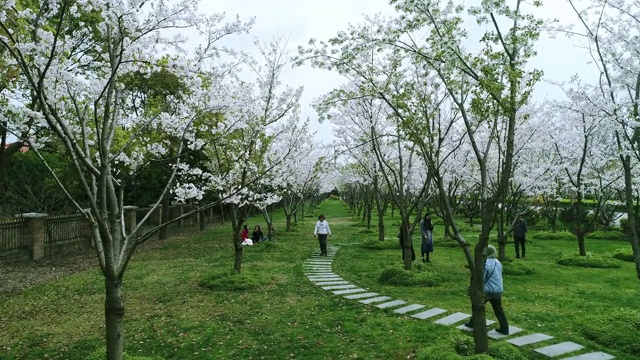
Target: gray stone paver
x=323, y=277
x=349, y=291
x=341, y=282
x=497, y=336
x=529, y=339
x=429, y=313
x=452, y=319
x=406, y=309
x=391, y=304
x=338, y=287
x=375, y=299
x=598, y=355
x=361, y=296
x=559, y=349
x=465, y=328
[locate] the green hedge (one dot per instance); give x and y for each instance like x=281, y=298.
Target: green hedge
x=459, y=346
x=548, y=235
x=608, y=235
x=417, y=276
x=624, y=254
x=589, y=261
x=617, y=329
x=517, y=268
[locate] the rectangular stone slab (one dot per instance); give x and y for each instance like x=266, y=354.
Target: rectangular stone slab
x=599, y=355
x=321, y=283
x=375, y=299
x=465, y=328
x=338, y=287
x=429, y=313
x=391, y=304
x=452, y=319
x=406, y=309
x=348, y=291
x=529, y=339
x=326, y=278
x=559, y=349
x=496, y=335
x=321, y=263
x=311, y=266
x=362, y=296
x=323, y=276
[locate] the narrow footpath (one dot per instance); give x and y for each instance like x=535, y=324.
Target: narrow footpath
x=319, y=271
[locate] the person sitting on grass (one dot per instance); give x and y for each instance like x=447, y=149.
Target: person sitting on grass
x=257, y=235
x=493, y=289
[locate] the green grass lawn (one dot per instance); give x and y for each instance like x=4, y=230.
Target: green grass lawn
x=274, y=312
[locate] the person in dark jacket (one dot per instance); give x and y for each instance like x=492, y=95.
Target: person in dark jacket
x=426, y=232
x=520, y=235
x=257, y=236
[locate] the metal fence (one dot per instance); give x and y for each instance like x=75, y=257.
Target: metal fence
x=60, y=229
x=12, y=234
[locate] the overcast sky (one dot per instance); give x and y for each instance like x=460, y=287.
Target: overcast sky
x=301, y=20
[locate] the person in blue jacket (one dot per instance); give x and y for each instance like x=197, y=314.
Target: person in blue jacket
x=493, y=289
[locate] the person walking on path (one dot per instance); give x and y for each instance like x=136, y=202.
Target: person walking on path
x=322, y=231
x=493, y=289
x=520, y=235
x=426, y=231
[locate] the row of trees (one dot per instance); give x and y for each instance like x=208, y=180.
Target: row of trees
x=126, y=104
x=425, y=118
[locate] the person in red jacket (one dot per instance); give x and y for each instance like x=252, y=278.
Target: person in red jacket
x=245, y=232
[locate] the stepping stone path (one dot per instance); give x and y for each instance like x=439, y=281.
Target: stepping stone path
x=319, y=271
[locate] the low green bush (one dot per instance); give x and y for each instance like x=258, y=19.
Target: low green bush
x=101, y=354
x=367, y=231
x=608, y=235
x=230, y=281
x=616, y=328
x=548, y=235
x=461, y=347
x=517, y=268
x=589, y=261
x=381, y=245
x=414, y=277
x=624, y=254
x=268, y=246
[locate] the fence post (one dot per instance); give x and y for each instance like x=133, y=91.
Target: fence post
x=130, y=217
x=179, y=211
x=201, y=218
x=156, y=217
x=34, y=233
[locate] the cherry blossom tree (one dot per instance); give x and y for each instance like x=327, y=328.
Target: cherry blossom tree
x=73, y=75
x=609, y=29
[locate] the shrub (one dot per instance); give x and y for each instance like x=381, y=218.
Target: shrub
x=101, y=354
x=560, y=235
x=624, y=254
x=269, y=246
x=518, y=268
x=414, y=277
x=608, y=235
x=234, y=282
x=381, y=245
x=617, y=329
x=589, y=261
x=505, y=351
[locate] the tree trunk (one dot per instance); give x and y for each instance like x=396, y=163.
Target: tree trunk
x=288, y=216
x=631, y=213
x=114, y=315
x=407, y=247
x=221, y=213
x=237, y=260
x=581, y=247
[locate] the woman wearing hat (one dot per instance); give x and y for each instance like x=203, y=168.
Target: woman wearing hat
x=493, y=289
